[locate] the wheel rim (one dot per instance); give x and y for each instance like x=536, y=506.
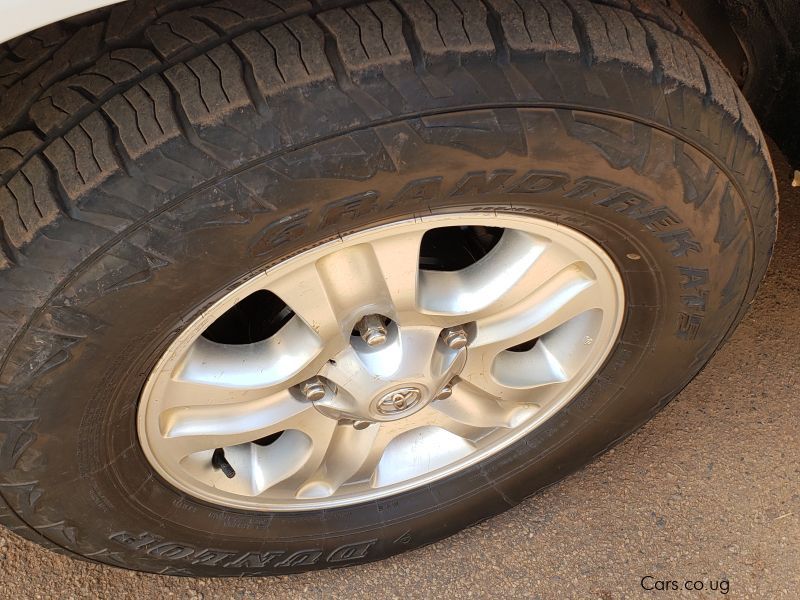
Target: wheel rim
x=462, y=363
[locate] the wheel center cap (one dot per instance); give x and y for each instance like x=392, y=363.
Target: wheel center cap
x=399, y=401
x=393, y=380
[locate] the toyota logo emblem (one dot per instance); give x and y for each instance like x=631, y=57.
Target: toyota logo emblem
x=399, y=400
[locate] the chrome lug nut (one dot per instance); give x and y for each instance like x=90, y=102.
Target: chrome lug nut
x=313, y=390
x=455, y=337
x=444, y=393
x=372, y=330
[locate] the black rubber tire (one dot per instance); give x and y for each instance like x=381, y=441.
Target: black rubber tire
x=157, y=152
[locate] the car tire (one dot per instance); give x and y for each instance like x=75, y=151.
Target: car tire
x=156, y=155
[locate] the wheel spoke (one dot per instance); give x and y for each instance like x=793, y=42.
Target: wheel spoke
x=397, y=258
x=305, y=291
x=472, y=290
x=564, y=296
x=433, y=441
x=525, y=370
x=472, y=406
x=378, y=277
x=431, y=417
x=259, y=468
x=248, y=366
x=190, y=429
x=347, y=453
x=532, y=390
x=178, y=392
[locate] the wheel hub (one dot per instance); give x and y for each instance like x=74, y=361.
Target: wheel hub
x=391, y=381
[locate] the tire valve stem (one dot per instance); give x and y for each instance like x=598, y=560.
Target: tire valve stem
x=219, y=462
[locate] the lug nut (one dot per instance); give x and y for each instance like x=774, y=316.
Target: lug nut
x=372, y=330
x=444, y=393
x=359, y=425
x=455, y=337
x=313, y=390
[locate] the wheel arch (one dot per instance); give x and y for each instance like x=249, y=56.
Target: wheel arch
x=23, y=17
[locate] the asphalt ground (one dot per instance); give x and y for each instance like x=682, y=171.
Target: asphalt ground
x=706, y=492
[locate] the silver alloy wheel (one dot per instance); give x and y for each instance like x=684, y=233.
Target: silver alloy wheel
x=347, y=422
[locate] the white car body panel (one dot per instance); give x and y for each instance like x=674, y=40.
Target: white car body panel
x=22, y=16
